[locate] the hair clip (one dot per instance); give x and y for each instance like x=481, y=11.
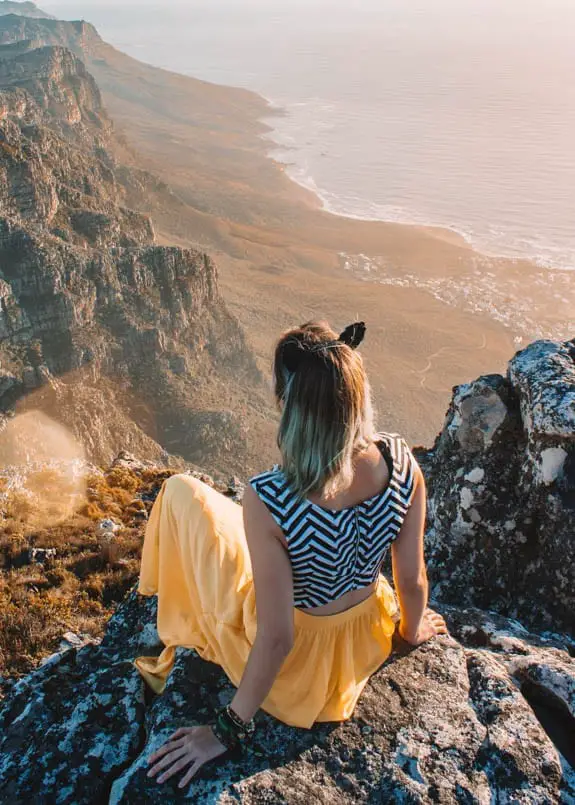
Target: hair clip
x=294, y=351
x=354, y=334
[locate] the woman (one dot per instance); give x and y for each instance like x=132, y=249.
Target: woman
x=306, y=548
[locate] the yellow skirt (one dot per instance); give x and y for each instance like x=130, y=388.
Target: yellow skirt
x=196, y=560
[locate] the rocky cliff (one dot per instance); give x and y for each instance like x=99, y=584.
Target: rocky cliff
x=94, y=315
x=501, y=481
x=220, y=126
x=485, y=715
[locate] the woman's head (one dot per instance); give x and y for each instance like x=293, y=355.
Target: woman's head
x=325, y=401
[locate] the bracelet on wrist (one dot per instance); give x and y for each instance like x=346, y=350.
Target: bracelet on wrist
x=231, y=730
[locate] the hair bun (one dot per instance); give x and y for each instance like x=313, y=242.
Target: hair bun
x=354, y=334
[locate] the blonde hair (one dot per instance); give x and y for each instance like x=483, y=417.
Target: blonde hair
x=326, y=408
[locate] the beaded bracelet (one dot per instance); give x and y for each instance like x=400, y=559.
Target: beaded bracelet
x=231, y=730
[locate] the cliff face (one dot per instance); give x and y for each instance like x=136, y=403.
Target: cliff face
x=87, y=299
x=501, y=482
x=58, y=82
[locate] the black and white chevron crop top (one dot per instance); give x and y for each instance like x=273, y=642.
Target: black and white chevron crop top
x=334, y=552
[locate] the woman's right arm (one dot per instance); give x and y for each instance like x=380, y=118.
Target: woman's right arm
x=418, y=623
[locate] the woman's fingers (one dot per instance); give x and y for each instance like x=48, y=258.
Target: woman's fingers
x=167, y=759
x=169, y=746
x=177, y=739
x=196, y=766
x=183, y=731
x=178, y=766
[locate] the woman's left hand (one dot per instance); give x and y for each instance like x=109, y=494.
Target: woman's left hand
x=188, y=746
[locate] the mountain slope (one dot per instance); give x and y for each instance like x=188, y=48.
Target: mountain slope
x=281, y=259
x=126, y=340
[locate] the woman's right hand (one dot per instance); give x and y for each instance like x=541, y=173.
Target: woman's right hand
x=431, y=624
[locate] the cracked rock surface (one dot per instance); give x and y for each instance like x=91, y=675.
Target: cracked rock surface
x=452, y=721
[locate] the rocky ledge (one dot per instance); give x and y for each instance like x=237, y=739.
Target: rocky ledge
x=501, y=484
x=485, y=715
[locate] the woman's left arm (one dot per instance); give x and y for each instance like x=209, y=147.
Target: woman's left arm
x=273, y=582
x=194, y=746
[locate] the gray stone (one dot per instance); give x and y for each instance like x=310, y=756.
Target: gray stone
x=501, y=491
x=447, y=722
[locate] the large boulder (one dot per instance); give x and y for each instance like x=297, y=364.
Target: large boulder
x=487, y=717
x=501, y=486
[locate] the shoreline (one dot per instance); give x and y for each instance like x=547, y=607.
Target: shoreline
x=268, y=110
x=307, y=182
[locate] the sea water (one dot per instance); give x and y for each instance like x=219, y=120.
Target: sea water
x=459, y=113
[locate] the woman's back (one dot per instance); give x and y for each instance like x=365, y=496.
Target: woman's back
x=336, y=550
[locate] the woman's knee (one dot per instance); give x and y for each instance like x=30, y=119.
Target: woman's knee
x=183, y=484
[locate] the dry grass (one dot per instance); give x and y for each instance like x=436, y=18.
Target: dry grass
x=77, y=590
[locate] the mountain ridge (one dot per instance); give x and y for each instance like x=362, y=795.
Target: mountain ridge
x=86, y=290
x=26, y=9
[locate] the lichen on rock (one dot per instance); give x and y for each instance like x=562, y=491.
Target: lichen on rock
x=501, y=485
x=446, y=722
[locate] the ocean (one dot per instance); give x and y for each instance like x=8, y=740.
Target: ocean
x=456, y=113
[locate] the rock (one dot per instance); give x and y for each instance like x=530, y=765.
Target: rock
x=42, y=555
x=235, y=489
x=109, y=548
x=96, y=717
x=30, y=378
x=8, y=382
x=125, y=460
x=73, y=640
x=447, y=722
x=501, y=491
x=543, y=376
x=108, y=528
x=137, y=511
